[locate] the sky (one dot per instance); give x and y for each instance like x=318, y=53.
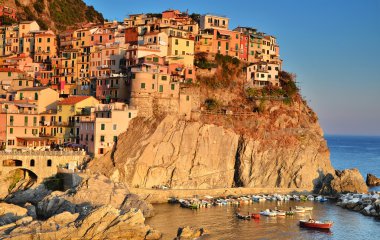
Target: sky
x=332, y=46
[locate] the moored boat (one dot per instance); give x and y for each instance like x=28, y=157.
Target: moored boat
x=244, y=217
x=316, y=224
x=304, y=208
x=268, y=213
x=255, y=215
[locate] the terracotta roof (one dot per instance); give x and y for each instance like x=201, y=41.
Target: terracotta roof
x=9, y=70
x=72, y=100
x=33, y=89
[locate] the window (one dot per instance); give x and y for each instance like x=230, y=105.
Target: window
x=21, y=96
x=48, y=40
x=152, y=86
x=101, y=138
x=25, y=121
x=142, y=85
x=161, y=89
x=187, y=98
x=11, y=131
x=187, y=43
x=20, y=83
x=176, y=42
x=237, y=36
x=114, y=127
x=155, y=59
x=176, y=52
x=35, y=96
x=49, y=163
x=227, y=46
x=32, y=163
x=115, y=138
x=172, y=86
x=129, y=115
x=164, y=78
x=102, y=126
x=11, y=120
x=9, y=74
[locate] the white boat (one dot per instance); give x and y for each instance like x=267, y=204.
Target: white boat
x=310, y=198
x=299, y=210
x=318, y=198
x=280, y=213
x=268, y=213
x=304, y=208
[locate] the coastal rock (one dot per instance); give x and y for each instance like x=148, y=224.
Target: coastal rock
x=189, y=233
x=104, y=222
x=53, y=205
x=98, y=190
x=372, y=180
x=32, y=195
x=10, y=213
x=349, y=180
x=202, y=155
x=134, y=201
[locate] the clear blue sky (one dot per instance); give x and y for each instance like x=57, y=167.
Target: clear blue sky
x=332, y=46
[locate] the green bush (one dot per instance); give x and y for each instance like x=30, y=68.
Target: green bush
x=288, y=83
x=211, y=104
x=251, y=93
x=39, y=6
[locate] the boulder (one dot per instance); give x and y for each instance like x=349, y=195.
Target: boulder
x=104, y=222
x=10, y=213
x=32, y=195
x=134, y=201
x=53, y=205
x=98, y=190
x=372, y=180
x=189, y=233
x=346, y=181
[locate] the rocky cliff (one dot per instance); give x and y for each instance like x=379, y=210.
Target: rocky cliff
x=283, y=147
x=55, y=14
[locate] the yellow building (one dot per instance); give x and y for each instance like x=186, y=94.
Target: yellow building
x=45, y=46
x=68, y=112
x=181, y=51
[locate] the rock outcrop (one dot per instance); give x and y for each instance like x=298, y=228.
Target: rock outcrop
x=102, y=223
x=372, y=180
x=348, y=181
x=200, y=154
x=188, y=233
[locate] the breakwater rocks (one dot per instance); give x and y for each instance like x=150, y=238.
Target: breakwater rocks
x=367, y=204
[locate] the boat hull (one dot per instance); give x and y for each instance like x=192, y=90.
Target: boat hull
x=306, y=224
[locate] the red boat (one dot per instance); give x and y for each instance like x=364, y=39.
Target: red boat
x=255, y=215
x=316, y=224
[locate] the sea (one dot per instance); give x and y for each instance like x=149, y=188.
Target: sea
x=220, y=223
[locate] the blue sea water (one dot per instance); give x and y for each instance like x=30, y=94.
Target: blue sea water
x=361, y=152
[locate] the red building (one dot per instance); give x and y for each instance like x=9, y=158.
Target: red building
x=244, y=41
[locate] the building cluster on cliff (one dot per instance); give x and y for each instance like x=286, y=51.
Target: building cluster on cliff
x=82, y=87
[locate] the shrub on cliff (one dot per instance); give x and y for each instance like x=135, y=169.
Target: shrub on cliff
x=211, y=104
x=288, y=83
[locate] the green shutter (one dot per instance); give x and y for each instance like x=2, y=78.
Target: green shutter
x=161, y=88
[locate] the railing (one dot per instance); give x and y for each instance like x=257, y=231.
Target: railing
x=43, y=153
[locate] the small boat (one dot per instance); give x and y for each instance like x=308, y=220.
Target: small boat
x=289, y=213
x=304, y=208
x=316, y=224
x=310, y=198
x=323, y=199
x=244, y=217
x=299, y=210
x=280, y=213
x=255, y=215
x=268, y=213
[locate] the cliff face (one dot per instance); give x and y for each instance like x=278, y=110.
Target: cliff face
x=282, y=147
x=55, y=14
